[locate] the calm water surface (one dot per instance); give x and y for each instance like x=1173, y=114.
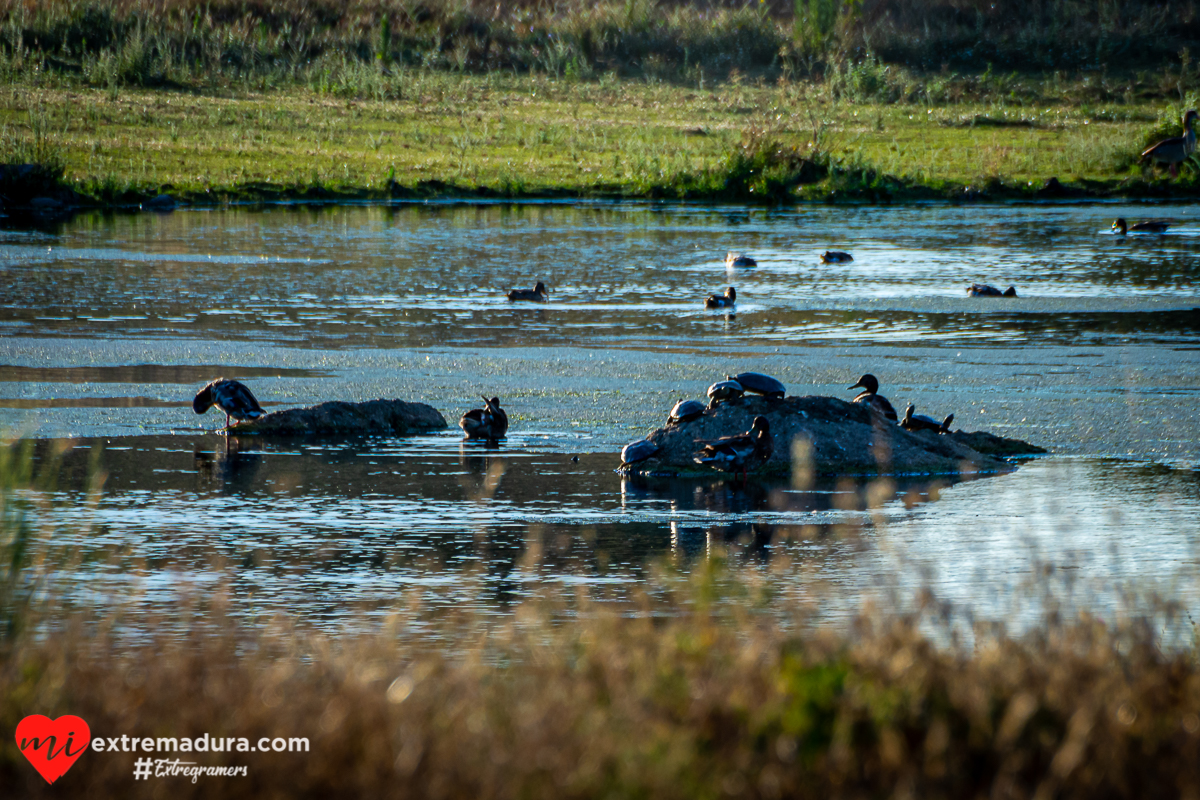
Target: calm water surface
x=109, y=324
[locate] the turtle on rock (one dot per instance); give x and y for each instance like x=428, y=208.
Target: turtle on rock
x=739, y=453
x=489, y=422
x=685, y=411
x=920, y=422
x=757, y=383
x=637, y=451
x=230, y=396
x=724, y=391
x=871, y=396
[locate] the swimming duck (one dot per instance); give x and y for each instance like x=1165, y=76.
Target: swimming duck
x=1174, y=151
x=870, y=384
x=231, y=397
x=738, y=260
x=920, y=422
x=743, y=452
x=1120, y=227
x=489, y=422
x=537, y=294
x=983, y=290
x=722, y=301
x=836, y=257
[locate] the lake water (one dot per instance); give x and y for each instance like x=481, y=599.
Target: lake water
x=110, y=323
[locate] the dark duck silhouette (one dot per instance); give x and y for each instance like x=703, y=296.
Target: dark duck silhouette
x=870, y=384
x=836, y=257
x=537, y=294
x=1120, y=227
x=920, y=422
x=489, y=422
x=1174, y=151
x=722, y=301
x=739, y=453
x=983, y=290
x=231, y=397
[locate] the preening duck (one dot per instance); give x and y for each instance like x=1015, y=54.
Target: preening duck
x=489, y=422
x=230, y=396
x=722, y=301
x=1174, y=151
x=537, y=294
x=983, y=290
x=742, y=452
x=1120, y=227
x=738, y=260
x=920, y=422
x=870, y=395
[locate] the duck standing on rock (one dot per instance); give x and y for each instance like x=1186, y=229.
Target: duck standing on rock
x=722, y=301
x=742, y=452
x=870, y=395
x=738, y=260
x=230, y=396
x=489, y=422
x=537, y=294
x=1120, y=227
x=920, y=422
x=1174, y=151
x=983, y=290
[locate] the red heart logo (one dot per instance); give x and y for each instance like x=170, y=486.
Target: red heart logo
x=52, y=745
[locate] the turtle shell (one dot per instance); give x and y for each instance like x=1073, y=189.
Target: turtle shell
x=725, y=390
x=757, y=383
x=686, y=410
x=638, y=451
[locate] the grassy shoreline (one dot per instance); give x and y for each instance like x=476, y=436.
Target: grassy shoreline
x=527, y=137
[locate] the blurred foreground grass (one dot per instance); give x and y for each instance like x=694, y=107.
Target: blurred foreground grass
x=712, y=685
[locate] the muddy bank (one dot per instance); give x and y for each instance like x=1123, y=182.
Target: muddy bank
x=830, y=437
x=374, y=417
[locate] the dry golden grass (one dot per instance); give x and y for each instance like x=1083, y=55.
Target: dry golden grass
x=709, y=690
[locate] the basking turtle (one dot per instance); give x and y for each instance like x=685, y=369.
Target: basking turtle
x=1120, y=227
x=920, y=422
x=724, y=391
x=870, y=384
x=537, y=294
x=637, y=451
x=983, y=290
x=738, y=260
x=722, y=301
x=836, y=257
x=230, y=396
x=489, y=422
x=757, y=383
x=742, y=452
x=685, y=411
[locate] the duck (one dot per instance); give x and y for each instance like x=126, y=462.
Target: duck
x=230, y=396
x=742, y=452
x=489, y=422
x=1120, y=227
x=870, y=396
x=920, y=422
x=836, y=257
x=722, y=301
x=983, y=290
x=1174, y=151
x=738, y=260
x=537, y=294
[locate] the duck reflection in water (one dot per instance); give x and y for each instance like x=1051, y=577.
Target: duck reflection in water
x=232, y=466
x=484, y=469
